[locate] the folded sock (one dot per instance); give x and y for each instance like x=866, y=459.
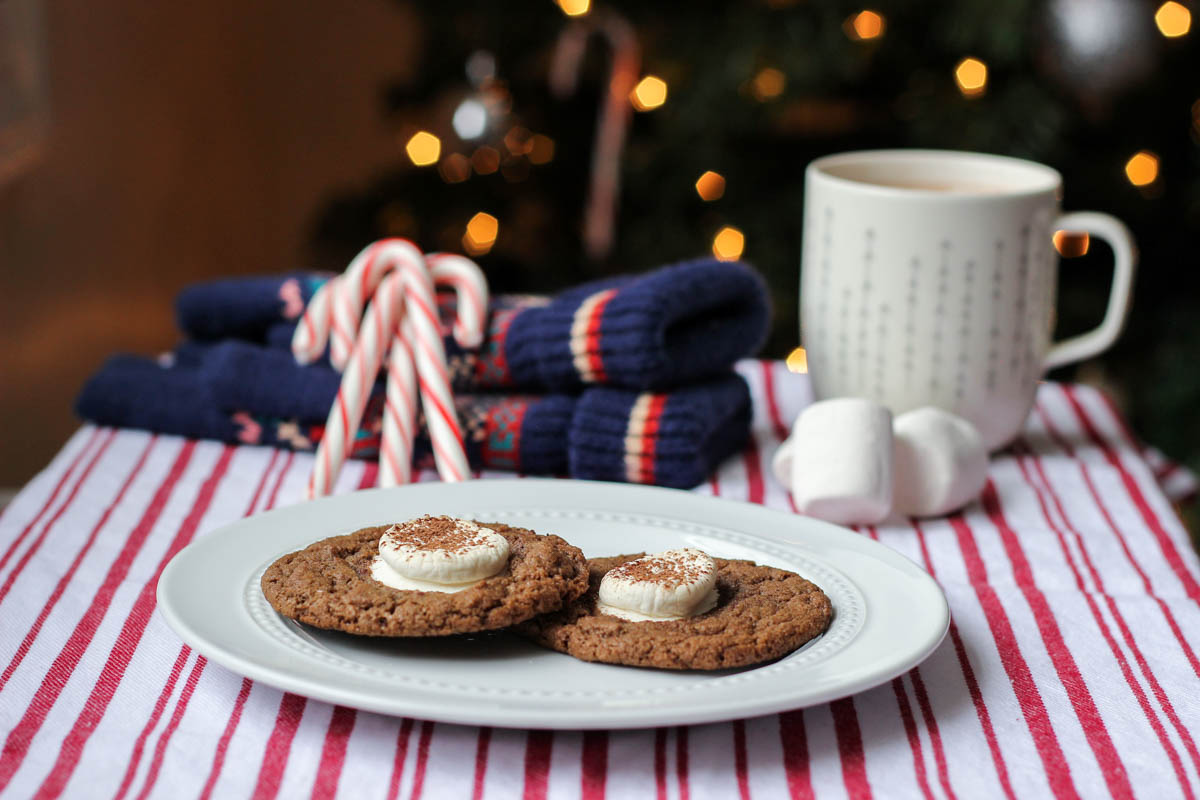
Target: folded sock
x=668, y=327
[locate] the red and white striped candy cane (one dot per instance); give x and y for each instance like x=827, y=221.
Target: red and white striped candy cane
x=357, y=285
x=312, y=332
x=399, y=411
x=466, y=278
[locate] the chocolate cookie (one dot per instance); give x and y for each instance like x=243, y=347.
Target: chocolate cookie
x=328, y=585
x=762, y=613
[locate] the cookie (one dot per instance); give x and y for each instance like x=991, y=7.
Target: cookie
x=762, y=613
x=328, y=585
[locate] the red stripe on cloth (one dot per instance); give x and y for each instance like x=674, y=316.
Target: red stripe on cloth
x=128, y=639
x=778, y=426
x=681, y=762
x=795, y=755
x=21, y=736
x=739, y=759
x=594, y=765
x=660, y=764
x=755, y=488
x=650, y=437
x=189, y=687
x=931, y=725
x=422, y=760
x=968, y=671
x=223, y=743
x=1058, y=771
x=850, y=748
x=58, y=487
x=333, y=753
x=1165, y=543
x=155, y=715
x=279, y=744
x=398, y=761
x=65, y=580
x=1077, y=689
x=1105, y=631
x=914, y=738
x=538, y=746
x=1168, y=615
x=50, y=523
x=481, y=759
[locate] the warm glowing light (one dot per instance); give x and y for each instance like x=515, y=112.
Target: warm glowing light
x=1142, y=168
x=423, y=148
x=454, y=168
x=517, y=140
x=728, y=244
x=649, y=94
x=797, y=360
x=710, y=186
x=971, y=76
x=541, y=149
x=768, y=83
x=865, y=25
x=481, y=234
x=1173, y=19
x=575, y=8
x=1071, y=244
x=485, y=160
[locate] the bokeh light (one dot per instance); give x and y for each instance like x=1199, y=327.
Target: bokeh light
x=454, y=168
x=470, y=119
x=575, y=8
x=517, y=140
x=971, y=76
x=649, y=94
x=865, y=25
x=423, y=148
x=1142, y=168
x=481, y=234
x=541, y=149
x=1173, y=19
x=710, y=186
x=728, y=244
x=1071, y=244
x=485, y=160
x=767, y=84
x=797, y=360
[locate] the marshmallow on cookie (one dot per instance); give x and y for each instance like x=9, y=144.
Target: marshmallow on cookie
x=438, y=554
x=673, y=584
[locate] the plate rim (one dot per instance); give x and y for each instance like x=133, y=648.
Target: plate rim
x=409, y=703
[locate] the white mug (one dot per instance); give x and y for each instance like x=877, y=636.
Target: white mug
x=929, y=278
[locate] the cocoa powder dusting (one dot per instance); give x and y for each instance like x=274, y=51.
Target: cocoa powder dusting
x=431, y=533
x=665, y=569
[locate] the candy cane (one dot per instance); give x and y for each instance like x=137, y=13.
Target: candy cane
x=359, y=283
x=464, y=276
x=308, y=342
x=399, y=411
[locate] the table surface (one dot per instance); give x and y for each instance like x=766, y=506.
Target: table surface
x=1070, y=668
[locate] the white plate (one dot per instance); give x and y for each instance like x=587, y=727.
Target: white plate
x=888, y=613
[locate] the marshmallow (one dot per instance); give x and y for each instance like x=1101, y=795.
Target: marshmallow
x=673, y=584
x=841, y=461
x=940, y=462
x=438, y=554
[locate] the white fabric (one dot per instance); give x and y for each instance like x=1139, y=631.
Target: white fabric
x=1071, y=668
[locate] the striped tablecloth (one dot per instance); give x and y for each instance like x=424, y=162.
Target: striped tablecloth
x=1070, y=670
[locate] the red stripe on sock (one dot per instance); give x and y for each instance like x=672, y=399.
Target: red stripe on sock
x=739, y=759
x=795, y=755
x=399, y=759
x=21, y=736
x=223, y=743
x=279, y=744
x=594, y=765
x=650, y=437
x=592, y=346
x=1058, y=771
x=128, y=639
x=481, y=759
x=537, y=764
x=914, y=738
x=850, y=748
x=422, y=760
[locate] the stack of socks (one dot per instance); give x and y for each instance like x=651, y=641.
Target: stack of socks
x=628, y=379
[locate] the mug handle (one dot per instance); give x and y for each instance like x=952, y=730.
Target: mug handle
x=1100, y=338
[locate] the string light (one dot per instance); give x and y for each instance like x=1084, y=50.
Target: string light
x=517, y=140
x=1142, y=168
x=649, y=94
x=1173, y=19
x=797, y=360
x=1070, y=244
x=480, y=234
x=541, y=149
x=728, y=244
x=574, y=8
x=454, y=168
x=470, y=119
x=864, y=25
x=971, y=76
x=710, y=186
x=485, y=160
x=423, y=148
x=768, y=83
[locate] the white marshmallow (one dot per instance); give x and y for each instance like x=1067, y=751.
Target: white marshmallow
x=438, y=554
x=940, y=462
x=673, y=584
x=841, y=461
